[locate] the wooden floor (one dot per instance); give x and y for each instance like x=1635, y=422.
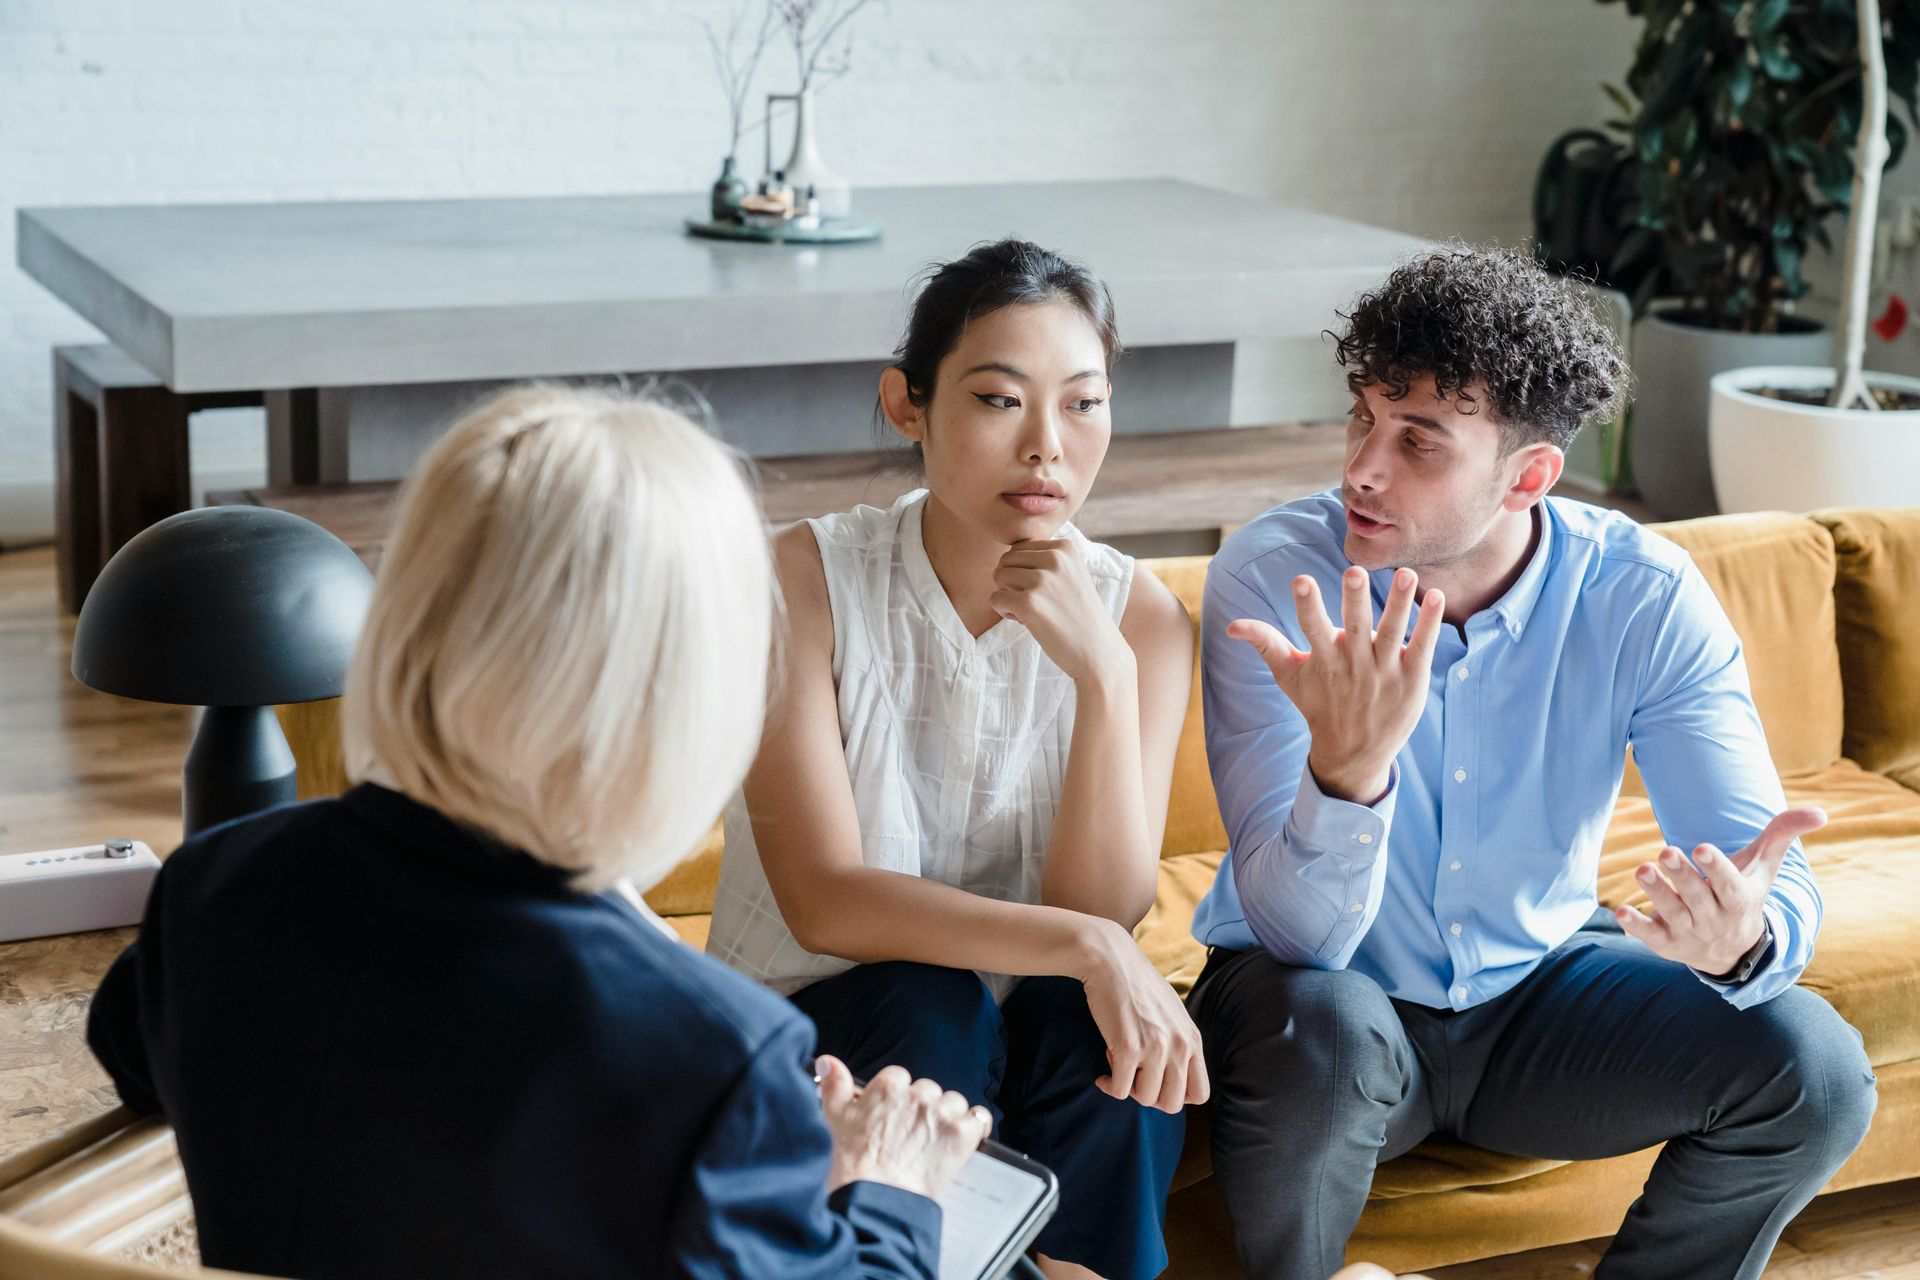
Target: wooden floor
x=76, y=766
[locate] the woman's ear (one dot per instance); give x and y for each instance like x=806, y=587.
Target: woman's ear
x=906, y=417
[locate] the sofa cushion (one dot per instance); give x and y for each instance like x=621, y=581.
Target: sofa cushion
x=1875, y=591
x=692, y=929
x=1193, y=815
x=1867, y=960
x=1774, y=575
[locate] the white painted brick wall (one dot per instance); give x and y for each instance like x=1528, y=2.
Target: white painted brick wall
x=1427, y=115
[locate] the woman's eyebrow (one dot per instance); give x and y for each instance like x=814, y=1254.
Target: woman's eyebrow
x=995, y=366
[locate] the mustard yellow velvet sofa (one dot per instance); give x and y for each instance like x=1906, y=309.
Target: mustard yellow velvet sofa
x=1828, y=608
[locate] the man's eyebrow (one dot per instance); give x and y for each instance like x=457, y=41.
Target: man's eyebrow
x=1421, y=420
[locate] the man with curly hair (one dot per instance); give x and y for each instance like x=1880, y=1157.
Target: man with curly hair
x=1405, y=940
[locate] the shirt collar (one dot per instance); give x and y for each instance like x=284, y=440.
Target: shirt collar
x=1515, y=607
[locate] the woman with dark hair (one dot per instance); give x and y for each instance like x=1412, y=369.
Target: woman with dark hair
x=954, y=821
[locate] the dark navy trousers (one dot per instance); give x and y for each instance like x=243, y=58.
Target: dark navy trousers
x=1032, y=1062
x=1319, y=1077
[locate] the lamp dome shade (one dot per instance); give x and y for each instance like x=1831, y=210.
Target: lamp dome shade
x=224, y=606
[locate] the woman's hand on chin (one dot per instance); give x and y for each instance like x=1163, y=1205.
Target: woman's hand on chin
x=1044, y=586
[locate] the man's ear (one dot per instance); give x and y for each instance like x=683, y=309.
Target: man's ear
x=906, y=417
x=1537, y=470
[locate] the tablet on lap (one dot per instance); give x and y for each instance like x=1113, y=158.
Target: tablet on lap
x=993, y=1211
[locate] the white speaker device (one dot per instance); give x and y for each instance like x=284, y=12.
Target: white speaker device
x=100, y=886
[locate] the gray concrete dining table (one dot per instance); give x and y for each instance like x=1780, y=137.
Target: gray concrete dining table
x=367, y=323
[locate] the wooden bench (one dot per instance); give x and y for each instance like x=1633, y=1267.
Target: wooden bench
x=1168, y=482
x=120, y=456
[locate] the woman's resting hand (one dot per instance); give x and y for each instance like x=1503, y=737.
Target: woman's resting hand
x=895, y=1130
x=1153, y=1048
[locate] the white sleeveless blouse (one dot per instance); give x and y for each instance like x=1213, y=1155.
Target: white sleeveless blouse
x=956, y=745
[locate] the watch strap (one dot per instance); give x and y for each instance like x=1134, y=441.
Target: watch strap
x=1750, y=963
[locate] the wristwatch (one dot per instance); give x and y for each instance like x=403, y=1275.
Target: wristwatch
x=1750, y=963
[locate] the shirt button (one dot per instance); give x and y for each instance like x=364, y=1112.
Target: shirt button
x=1355, y=906
x=1365, y=837
x=1461, y=674
x=1454, y=865
x=1459, y=775
x=1454, y=928
x=1459, y=993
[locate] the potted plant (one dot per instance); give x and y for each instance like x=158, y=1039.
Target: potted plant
x=1797, y=438
x=1737, y=112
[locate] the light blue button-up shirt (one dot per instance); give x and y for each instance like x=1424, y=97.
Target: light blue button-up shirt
x=1483, y=856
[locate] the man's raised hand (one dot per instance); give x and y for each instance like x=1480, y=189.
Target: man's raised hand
x=1708, y=919
x=1360, y=688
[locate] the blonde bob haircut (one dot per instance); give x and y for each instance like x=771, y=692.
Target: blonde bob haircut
x=567, y=647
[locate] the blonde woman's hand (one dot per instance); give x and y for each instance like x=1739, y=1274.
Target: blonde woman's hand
x=1045, y=587
x=895, y=1130
x=1154, y=1053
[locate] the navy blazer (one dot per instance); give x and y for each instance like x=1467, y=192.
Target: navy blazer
x=392, y=1047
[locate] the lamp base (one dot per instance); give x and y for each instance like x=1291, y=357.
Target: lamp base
x=239, y=764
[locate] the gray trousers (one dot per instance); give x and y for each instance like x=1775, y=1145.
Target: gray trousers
x=1319, y=1076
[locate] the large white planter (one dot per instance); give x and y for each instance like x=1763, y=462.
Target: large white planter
x=1772, y=455
x=1674, y=358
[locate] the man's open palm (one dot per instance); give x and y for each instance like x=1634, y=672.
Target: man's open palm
x=1360, y=688
x=1709, y=918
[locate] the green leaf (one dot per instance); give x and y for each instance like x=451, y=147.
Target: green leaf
x=1684, y=130
x=1766, y=18
x=1740, y=83
x=1650, y=142
x=1786, y=261
x=1777, y=60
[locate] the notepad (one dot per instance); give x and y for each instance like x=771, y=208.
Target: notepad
x=992, y=1211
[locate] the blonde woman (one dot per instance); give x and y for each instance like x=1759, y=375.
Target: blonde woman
x=411, y=1031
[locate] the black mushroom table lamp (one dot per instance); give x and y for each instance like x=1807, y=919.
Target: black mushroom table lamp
x=234, y=609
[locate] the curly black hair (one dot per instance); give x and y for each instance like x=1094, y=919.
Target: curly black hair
x=1488, y=319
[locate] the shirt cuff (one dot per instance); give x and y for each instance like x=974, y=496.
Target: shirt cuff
x=1356, y=832
x=883, y=1213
